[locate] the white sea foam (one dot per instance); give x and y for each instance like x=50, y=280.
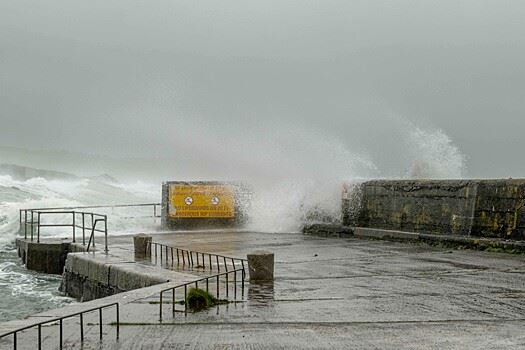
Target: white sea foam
x=42, y=193
x=433, y=154
x=40, y=291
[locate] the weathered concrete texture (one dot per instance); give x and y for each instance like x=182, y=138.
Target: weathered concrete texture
x=89, y=276
x=260, y=266
x=47, y=256
x=482, y=208
x=329, y=294
x=328, y=230
x=500, y=209
x=142, y=244
x=454, y=241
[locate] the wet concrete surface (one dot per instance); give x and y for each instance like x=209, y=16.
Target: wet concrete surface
x=333, y=293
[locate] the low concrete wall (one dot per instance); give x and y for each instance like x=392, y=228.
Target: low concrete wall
x=87, y=277
x=480, y=208
x=47, y=257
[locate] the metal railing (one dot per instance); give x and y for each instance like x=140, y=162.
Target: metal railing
x=85, y=221
x=186, y=257
x=60, y=321
x=31, y=220
x=206, y=281
x=155, y=206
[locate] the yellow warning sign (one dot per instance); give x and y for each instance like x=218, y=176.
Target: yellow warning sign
x=201, y=201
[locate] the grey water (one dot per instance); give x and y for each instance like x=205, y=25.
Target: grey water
x=23, y=292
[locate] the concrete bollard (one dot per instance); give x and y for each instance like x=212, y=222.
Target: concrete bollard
x=260, y=266
x=142, y=243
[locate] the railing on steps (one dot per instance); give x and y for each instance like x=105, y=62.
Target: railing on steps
x=186, y=257
x=59, y=321
x=223, y=278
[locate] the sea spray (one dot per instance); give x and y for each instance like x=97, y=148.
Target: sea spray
x=40, y=291
x=433, y=155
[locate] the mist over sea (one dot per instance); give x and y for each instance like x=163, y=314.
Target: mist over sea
x=292, y=173
x=25, y=292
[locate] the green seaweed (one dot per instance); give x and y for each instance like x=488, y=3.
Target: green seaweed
x=199, y=299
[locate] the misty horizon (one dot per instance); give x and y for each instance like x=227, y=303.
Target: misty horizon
x=274, y=89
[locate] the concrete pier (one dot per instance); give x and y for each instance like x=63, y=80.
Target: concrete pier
x=89, y=276
x=328, y=293
x=47, y=256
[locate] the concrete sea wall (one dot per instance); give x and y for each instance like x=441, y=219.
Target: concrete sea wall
x=88, y=276
x=479, y=208
x=48, y=256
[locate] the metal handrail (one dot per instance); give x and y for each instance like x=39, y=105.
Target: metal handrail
x=154, y=205
x=31, y=218
x=60, y=321
x=186, y=256
x=92, y=236
x=216, y=279
x=84, y=226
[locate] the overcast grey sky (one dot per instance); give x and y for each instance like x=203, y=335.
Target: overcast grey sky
x=245, y=82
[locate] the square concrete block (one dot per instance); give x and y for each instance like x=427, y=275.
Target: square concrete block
x=261, y=266
x=142, y=243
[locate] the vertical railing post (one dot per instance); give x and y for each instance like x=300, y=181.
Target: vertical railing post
x=118, y=320
x=25, y=224
x=39, y=337
x=235, y=284
x=61, y=334
x=226, y=267
x=92, y=221
x=74, y=226
x=82, y=328
x=185, y=299
x=38, y=228
x=160, y=305
x=173, y=302
x=100, y=322
x=83, y=228
x=32, y=226
x=106, y=234
x=242, y=283
x=94, y=230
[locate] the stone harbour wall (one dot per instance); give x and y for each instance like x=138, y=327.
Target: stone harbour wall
x=480, y=208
